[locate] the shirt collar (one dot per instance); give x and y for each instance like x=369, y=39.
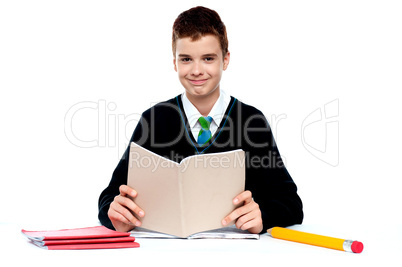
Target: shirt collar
x=217, y=112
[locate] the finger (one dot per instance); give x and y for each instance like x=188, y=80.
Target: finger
x=126, y=202
x=115, y=216
x=249, y=220
x=236, y=214
x=122, y=214
x=245, y=196
x=254, y=226
x=241, y=211
x=126, y=190
x=257, y=224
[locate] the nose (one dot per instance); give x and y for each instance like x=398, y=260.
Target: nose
x=197, y=69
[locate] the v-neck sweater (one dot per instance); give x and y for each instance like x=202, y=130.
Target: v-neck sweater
x=164, y=130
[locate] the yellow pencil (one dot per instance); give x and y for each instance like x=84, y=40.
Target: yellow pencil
x=316, y=240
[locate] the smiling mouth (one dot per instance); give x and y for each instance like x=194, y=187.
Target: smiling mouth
x=198, y=82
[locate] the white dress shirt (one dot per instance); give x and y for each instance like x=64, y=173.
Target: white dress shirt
x=217, y=112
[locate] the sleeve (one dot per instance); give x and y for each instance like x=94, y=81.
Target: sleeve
x=267, y=178
x=119, y=176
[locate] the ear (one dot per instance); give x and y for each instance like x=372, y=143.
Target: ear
x=226, y=60
x=174, y=63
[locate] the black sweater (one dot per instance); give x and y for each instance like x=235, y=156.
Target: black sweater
x=164, y=129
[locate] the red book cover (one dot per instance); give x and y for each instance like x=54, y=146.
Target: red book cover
x=93, y=246
x=78, y=233
x=84, y=241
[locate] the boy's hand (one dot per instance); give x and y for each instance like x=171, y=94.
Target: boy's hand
x=122, y=208
x=248, y=216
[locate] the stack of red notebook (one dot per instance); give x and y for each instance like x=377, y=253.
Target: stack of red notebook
x=98, y=237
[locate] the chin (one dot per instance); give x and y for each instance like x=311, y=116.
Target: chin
x=200, y=92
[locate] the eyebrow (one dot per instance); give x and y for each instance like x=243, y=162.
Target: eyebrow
x=205, y=55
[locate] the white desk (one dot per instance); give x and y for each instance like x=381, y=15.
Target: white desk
x=267, y=251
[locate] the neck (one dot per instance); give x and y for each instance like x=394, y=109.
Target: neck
x=204, y=104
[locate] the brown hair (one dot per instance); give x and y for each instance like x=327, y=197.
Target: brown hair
x=198, y=22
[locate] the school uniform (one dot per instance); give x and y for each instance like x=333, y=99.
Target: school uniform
x=170, y=129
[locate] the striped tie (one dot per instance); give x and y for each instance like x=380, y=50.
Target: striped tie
x=205, y=134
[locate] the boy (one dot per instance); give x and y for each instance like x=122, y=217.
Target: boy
x=204, y=119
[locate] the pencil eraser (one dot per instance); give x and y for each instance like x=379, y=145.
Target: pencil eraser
x=357, y=247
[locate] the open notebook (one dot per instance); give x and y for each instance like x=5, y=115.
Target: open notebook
x=189, y=197
x=230, y=232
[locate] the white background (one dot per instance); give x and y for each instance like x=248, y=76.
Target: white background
x=288, y=58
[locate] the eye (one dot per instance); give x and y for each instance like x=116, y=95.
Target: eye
x=185, y=59
x=209, y=59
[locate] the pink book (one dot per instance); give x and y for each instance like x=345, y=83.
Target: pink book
x=93, y=246
x=84, y=241
x=78, y=233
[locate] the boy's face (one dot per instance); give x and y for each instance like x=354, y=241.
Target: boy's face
x=200, y=64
